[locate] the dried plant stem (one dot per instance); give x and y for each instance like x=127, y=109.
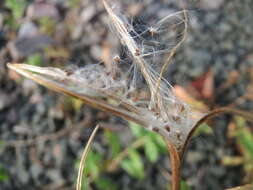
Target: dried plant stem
x=83, y=159
x=246, y=115
x=176, y=157
x=176, y=163
x=172, y=53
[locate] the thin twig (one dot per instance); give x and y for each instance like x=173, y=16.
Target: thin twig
x=176, y=163
x=173, y=52
x=225, y=110
x=83, y=159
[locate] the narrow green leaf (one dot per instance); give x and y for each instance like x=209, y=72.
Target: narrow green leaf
x=245, y=137
x=35, y=60
x=203, y=129
x=114, y=142
x=159, y=141
x=151, y=150
x=133, y=165
x=93, y=164
x=3, y=174
x=137, y=130
x=184, y=186
x=17, y=7
x=105, y=184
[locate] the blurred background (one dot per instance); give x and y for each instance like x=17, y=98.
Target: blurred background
x=42, y=133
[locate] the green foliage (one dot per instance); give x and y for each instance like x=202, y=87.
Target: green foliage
x=114, y=143
x=35, y=60
x=105, y=184
x=203, y=129
x=244, y=139
x=17, y=7
x=3, y=174
x=47, y=25
x=73, y=3
x=134, y=165
x=153, y=145
x=93, y=164
x=2, y=146
x=151, y=150
x=94, y=167
x=184, y=186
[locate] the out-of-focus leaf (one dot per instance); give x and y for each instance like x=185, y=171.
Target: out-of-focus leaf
x=245, y=137
x=59, y=52
x=17, y=7
x=114, y=142
x=232, y=160
x=3, y=174
x=77, y=104
x=186, y=97
x=137, y=130
x=151, y=150
x=184, y=186
x=134, y=165
x=244, y=140
x=158, y=140
x=85, y=184
x=203, y=129
x=73, y=3
x=205, y=85
x=93, y=164
x=47, y=25
x=105, y=184
x=2, y=145
x=35, y=60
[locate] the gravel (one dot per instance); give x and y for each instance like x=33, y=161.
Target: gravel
x=220, y=37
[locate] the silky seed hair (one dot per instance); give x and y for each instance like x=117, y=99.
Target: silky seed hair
x=159, y=110
x=163, y=102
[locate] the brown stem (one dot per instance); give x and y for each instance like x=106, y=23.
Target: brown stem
x=176, y=157
x=247, y=115
x=176, y=162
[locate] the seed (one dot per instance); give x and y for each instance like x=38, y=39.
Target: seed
x=116, y=59
x=167, y=127
x=152, y=31
x=178, y=134
x=68, y=72
x=181, y=108
x=176, y=118
x=155, y=129
x=135, y=99
x=137, y=52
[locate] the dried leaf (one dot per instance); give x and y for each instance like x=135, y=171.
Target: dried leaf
x=189, y=99
x=245, y=187
x=205, y=85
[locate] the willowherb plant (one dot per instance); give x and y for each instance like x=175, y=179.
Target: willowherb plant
x=161, y=110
